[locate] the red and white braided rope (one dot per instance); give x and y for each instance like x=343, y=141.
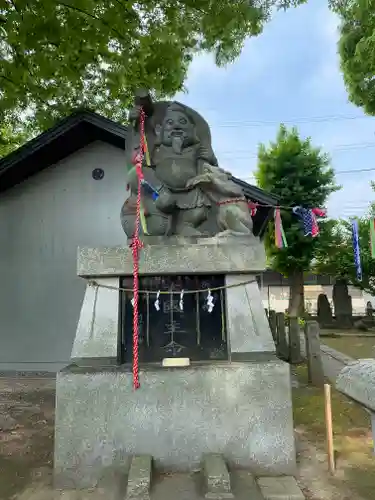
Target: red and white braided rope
x=136, y=248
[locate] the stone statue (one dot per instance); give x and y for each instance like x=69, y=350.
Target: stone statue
x=183, y=183
x=178, y=156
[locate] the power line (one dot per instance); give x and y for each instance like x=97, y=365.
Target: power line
x=268, y=123
x=354, y=171
x=372, y=169
x=339, y=147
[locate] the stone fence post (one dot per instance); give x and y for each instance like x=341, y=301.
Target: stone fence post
x=313, y=354
x=273, y=324
x=282, y=350
x=294, y=341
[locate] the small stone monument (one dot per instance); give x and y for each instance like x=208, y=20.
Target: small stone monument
x=369, y=313
x=342, y=304
x=210, y=382
x=324, y=311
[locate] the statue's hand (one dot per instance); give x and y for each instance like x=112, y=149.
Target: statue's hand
x=165, y=203
x=191, y=183
x=134, y=113
x=130, y=205
x=200, y=179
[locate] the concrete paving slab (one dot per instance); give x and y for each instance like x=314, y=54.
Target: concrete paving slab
x=280, y=488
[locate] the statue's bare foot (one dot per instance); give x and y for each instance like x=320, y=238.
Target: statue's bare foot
x=229, y=232
x=188, y=231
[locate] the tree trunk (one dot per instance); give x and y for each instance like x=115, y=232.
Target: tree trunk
x=296, y=295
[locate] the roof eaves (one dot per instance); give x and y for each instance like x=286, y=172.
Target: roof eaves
x=255, y=192
x=40, y=141
x=61, y=128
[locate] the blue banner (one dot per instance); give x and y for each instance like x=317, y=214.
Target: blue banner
x=357, y=253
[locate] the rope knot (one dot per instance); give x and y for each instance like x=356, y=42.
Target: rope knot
x=136, y=246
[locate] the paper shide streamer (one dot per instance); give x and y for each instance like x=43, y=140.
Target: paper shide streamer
x=210, y=301
x=157, y=301
x=181, y=302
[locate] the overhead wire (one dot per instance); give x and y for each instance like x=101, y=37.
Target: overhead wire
x=303, y=120
x=342, y=147
x=255, y=124
x=313, y=119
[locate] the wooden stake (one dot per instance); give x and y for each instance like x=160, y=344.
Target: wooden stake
x=329, y=431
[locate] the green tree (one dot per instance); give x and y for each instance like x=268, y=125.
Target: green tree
x=338, y=259
x=10, y=139
x=57, y=56
x=357, y=50
x=299, y=174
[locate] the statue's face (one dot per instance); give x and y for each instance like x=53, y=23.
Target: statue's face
x=176, y=125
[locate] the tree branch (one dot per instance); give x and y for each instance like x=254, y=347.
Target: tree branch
x=88, y=14
x=8, y=80
x=120, y=3
x=14, y=6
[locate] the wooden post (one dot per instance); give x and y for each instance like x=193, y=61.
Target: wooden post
x=294, y=341
x=313, y=354
x=329, y=430
x=282, y=346
x=273, y=324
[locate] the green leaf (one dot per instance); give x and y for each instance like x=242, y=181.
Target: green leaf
x=357, y=50
x=57, y=55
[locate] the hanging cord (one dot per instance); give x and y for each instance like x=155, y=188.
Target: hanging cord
x=171, y=292
x=136, y=247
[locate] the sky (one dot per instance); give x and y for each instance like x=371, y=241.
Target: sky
x=289, y=74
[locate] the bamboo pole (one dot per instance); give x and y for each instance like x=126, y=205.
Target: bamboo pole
x=329, y=430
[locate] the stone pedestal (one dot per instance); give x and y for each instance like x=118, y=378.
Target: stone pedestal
x=241, y=407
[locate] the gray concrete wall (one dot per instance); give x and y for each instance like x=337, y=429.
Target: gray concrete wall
x=277, y=297
x=42, y=222
x=242, y=410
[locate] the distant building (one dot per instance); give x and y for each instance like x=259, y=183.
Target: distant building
x=275, y=292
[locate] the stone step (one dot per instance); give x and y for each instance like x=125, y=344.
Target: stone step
x=213, y=482
x=216, y=477
x=139, y=478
